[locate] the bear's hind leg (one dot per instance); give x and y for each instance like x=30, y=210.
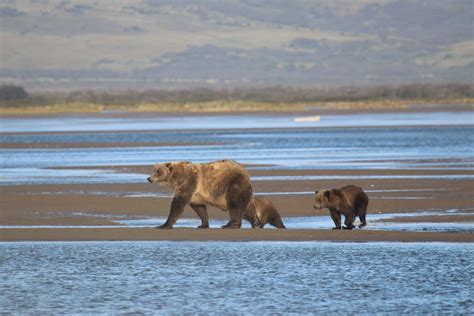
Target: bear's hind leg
x=238, y=199
x=235, y=220
x=201, y=211
x=349, y=220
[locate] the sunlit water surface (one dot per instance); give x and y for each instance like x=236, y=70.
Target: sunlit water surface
x=236, y=277
x=368, y=141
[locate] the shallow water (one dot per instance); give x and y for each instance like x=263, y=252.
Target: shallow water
x=411, y=141
x=236, y=277
x=325, y=222
x=183, y=122
x=300, y=222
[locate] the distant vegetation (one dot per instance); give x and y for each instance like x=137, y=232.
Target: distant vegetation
x=276, y=94
x=243, y=99
x=11, y=92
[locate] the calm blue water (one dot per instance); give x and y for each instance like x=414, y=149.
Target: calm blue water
x=183, y=122
x=236, y=277
x=285, y=145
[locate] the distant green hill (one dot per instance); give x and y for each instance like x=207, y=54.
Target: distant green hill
x=181, y=44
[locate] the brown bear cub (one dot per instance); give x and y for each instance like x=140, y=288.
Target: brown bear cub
x=351, y=201
x=261, y=212
x=224, y=184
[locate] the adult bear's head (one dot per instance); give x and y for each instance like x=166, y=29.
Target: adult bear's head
x=168, y=172
x=161, y=172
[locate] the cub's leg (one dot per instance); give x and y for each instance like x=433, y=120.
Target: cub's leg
x=363, y=222
x=336, y=217
x=201, y=211
x=250, y=215
x=362, y=213
x=277, y=222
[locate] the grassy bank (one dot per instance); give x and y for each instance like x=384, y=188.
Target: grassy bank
x=14, y=100
x=224, y=106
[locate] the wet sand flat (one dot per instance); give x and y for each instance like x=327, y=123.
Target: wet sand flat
x=441, y=184
x=103, y=204
x=185, y=234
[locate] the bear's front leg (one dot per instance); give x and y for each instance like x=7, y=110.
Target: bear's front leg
x=336, y=217
x=177, y=208
x=201, y=211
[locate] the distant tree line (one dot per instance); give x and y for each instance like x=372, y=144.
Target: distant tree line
x=266, y=94
x=12, y=92
x=278, y=94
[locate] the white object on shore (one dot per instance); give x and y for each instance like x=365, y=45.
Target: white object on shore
x=308, y=119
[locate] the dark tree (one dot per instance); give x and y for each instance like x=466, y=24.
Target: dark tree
x=12, y=92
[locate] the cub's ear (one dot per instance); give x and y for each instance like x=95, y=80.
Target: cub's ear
x=190, y=167
x=156, y=166
x=316, y=192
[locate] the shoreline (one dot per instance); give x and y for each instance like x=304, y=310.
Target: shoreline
x=217, y=234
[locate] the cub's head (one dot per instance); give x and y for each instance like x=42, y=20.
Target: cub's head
x=161, y=172
x=321, y=199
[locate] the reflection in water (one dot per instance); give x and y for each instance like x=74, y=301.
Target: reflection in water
x=236, y=277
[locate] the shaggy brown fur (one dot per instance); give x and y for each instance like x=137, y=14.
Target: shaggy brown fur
x=224, y=184
x=351, y=201
x=261, y=212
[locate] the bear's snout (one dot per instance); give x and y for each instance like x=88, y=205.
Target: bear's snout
x=149, y=179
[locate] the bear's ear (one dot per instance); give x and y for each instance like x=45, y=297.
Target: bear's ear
x=169, y=165
x=316, y=192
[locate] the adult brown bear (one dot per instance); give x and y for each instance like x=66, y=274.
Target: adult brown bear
x=224, y=184
x=261, y=212
x=351, y=201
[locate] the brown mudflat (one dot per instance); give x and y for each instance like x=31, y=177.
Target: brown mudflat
x=101, y=204
x=216, y=234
